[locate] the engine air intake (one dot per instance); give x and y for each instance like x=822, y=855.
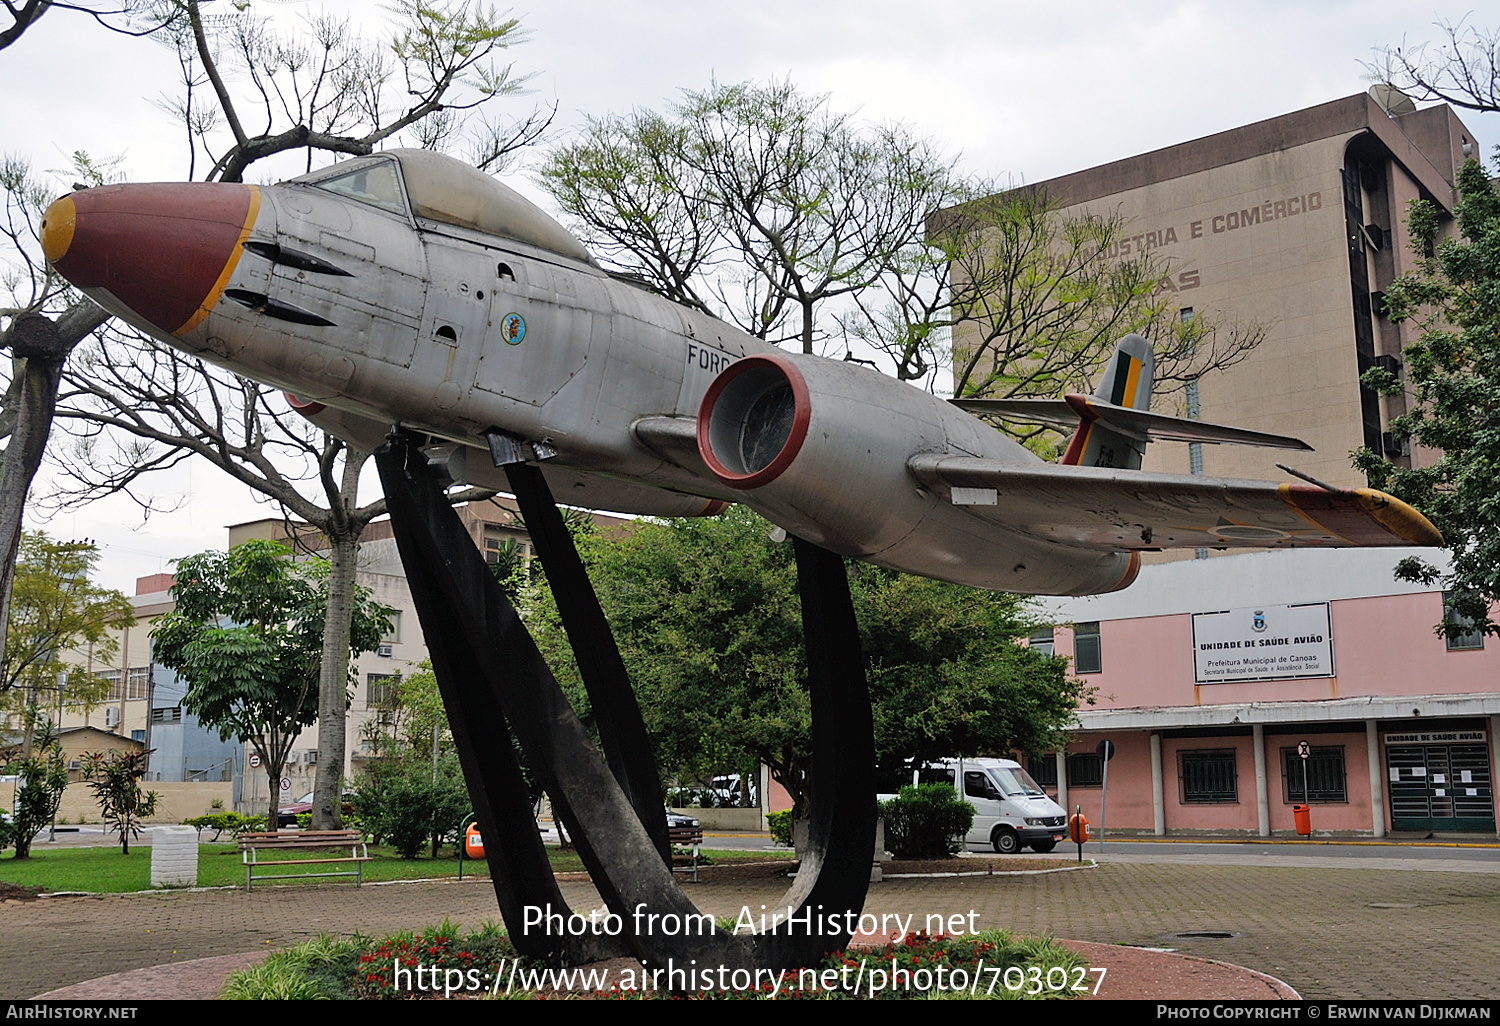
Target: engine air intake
x=753, y=420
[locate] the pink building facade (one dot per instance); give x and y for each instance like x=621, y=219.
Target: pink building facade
x=1210, y=674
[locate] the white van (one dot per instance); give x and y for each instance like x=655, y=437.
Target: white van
x=1011, y=811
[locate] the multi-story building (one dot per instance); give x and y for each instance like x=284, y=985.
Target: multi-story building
x=1296, y=225
x=144, y=700
x=1211, y=672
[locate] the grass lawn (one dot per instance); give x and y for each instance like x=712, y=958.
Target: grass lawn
x=105, y=870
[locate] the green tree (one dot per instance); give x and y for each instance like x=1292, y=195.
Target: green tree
x=762, y=205
x=411, y=803
x=115, y=780
x=948, y=678
x=41, y=778
x=1032, y=298
x=1452, y=378
x=708, y=622
x=413, y=793
x=756, y=203
x=55, y=608
x=247, y=637
x=926, y=821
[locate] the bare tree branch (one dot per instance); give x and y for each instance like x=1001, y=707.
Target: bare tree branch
x=1463, y=69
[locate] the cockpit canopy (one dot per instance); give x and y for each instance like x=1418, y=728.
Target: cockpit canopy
x=444, y=189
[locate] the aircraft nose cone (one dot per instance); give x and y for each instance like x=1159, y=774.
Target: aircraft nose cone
x=57, y=229
x=163, y=251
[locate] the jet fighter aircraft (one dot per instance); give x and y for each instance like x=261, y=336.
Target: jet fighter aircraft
x=409, y=290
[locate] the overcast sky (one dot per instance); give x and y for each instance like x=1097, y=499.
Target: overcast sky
x=1020, y=91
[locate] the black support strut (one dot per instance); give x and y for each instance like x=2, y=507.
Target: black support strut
x=494, y=682
x=622, y=730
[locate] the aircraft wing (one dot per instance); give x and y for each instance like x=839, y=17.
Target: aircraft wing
x=1102, y=508
x=1142, y=425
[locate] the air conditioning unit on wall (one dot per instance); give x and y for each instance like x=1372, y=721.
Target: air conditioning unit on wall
x=111, y=716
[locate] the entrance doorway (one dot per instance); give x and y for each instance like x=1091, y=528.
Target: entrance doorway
x=1437, y=784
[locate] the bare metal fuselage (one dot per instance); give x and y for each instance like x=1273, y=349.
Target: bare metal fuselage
x=376, y=317
x=417, y=340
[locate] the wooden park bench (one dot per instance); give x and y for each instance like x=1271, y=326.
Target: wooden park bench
x=253, y=846
x=686, y=837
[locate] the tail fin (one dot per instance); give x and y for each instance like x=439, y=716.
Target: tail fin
x=1112, y=427
x=1126, y=382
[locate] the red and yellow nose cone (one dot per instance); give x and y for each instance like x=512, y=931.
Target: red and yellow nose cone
x=164, y=251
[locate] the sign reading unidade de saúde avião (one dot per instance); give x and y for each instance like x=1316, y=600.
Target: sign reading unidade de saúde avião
x=1262, y=643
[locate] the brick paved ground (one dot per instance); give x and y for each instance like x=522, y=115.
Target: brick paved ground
x=1316, y=928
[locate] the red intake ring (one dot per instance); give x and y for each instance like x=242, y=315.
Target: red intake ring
x=747, y=404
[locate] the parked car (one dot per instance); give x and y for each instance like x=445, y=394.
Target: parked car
x=677, y=819
x=286, y=816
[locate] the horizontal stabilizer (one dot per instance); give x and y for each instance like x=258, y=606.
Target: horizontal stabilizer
x=1142, y=425
x=1095, y=507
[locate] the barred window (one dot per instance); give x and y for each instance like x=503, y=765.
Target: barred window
x=1325, y=776
x=1208, y=777
x=1043, y=769
x=1085, y=769
x=1469, y=640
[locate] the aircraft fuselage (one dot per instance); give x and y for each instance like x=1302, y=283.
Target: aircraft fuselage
x=407, y=290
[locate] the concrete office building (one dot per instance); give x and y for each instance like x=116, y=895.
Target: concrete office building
x=144, y=700
x=1296, y=224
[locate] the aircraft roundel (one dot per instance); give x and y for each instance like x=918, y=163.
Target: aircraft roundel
x=513, y=328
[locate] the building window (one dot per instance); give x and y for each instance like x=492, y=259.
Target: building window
x=1085, y=769
x=1325, y=776
x=1208, y=777
x=502, y=546
x=137, y=683
x=138, y=735
x=1087, y=657
x=380, y=690
x=1470, y=639
x=167, y=714
x=1041, y=642
x=1043, y=769
x=393, y=636
x=116, y=685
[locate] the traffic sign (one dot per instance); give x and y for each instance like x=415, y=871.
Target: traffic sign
x=1303, y=750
